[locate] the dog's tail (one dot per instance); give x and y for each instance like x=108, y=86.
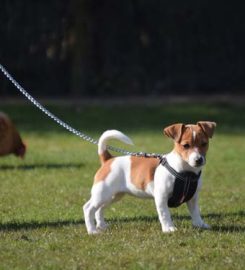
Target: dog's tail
x=102, y=145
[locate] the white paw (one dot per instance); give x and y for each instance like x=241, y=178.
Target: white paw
x=93, y=232
x=202, y=225
x=102, y=226
x=206, y=226
x=169, y=229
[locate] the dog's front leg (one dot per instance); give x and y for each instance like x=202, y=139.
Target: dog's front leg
x=164, y=214
x=193, y=207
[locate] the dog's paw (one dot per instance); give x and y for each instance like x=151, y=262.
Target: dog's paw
x=169, y=229
x=202, y=225
x=102, y=227
x=94, y=232
x=205, y=226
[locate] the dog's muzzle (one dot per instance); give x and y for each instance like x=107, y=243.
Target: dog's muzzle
x=196, y=160
x=200, y=161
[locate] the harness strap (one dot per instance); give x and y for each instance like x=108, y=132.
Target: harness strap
x=170, y=169
x=193, y=176
x=185, y=185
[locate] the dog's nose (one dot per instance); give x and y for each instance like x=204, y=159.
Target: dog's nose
x=199, y=161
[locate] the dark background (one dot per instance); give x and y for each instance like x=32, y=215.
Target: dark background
x=123, y=47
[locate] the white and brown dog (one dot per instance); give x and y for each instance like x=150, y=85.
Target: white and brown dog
x=172, y=181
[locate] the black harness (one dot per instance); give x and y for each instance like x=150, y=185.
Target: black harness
x=185, y=185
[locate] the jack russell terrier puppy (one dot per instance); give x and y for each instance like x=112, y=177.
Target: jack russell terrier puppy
x=173, y=180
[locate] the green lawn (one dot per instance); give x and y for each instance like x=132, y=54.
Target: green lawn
x=41, y=197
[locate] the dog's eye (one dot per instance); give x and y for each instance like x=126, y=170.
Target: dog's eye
x=204, y=144
x=186, y=146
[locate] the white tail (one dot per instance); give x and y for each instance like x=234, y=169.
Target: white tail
x=111, y=134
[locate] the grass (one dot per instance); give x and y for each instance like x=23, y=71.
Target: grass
x=41, y=220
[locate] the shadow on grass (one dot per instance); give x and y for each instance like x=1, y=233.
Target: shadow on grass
x=32, y=225
x=40, y=166
x=216, y=217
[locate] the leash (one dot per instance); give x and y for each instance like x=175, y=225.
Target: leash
x=65, y=125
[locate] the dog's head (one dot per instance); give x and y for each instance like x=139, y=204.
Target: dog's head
x=191, y=141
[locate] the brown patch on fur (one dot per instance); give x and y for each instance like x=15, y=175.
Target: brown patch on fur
x=207, y=127
x=198, y=142
x=105, y=156
x=142, y=171
x=103, y=171
x=174, y=131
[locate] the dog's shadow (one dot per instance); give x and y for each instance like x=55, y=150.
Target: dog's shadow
x=33, y=225
x=215, y=217
x=49, y=166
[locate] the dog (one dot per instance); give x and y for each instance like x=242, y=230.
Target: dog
x=170, y=181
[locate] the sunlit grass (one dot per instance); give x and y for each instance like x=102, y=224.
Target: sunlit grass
x=41, y=197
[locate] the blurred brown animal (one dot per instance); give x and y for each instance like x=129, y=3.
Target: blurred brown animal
x=10, y=140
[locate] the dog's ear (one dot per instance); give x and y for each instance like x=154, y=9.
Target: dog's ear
x=207, y=127
x=174, y=131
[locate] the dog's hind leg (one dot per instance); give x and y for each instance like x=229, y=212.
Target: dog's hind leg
x=99, y=215
x=89, y=215
x=101, y=196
